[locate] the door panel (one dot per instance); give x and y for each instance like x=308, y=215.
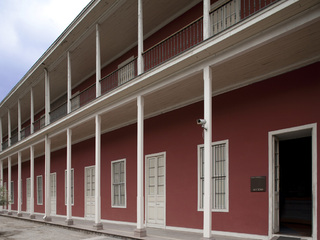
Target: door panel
x=90, y=192
x=155, y=177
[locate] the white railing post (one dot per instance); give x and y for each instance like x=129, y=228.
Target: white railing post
x=98, y=225
x=98, y=62
x=140, y=231
x=140, y=38
x=207, y=203
x=31, y=111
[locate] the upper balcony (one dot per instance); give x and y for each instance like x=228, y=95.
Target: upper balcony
x=170, y=30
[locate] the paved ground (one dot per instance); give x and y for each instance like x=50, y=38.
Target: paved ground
x=15, y=229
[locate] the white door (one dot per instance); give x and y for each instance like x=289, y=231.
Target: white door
x=53, y=184
x=155, y=190
x=276, y=194
x=89, y=192
x=28, y=186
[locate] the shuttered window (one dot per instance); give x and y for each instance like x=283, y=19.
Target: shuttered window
x=219, y=180
x=39, y=190
x=72, y=187
x=118, y=173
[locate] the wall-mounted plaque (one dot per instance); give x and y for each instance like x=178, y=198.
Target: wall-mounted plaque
x=258, y=184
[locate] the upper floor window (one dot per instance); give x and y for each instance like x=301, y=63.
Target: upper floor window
x=220, y=189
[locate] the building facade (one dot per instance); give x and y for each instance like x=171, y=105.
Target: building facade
x=187, y=115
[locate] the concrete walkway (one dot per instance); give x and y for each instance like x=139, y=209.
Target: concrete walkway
x=120, y=231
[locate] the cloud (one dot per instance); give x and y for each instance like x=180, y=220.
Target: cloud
x=27, y=30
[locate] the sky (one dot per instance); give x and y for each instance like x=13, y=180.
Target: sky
x=27, y=29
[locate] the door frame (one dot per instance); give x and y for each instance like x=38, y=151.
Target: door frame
x=165, y=189
x=291, y=133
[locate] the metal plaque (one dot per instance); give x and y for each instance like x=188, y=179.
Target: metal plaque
x=258, y=184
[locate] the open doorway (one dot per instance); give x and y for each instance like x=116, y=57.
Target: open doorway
x=295, y=186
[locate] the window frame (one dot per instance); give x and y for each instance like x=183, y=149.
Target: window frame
x=226, y=209
x=124, y=183
x=72, y=187
x=41, y=189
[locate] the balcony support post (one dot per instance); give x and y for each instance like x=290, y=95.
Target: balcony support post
x=19, y=185
x=32, y=216
x=98, y=62
x=19, y=120
x=69, y=93
x=47, y=96
x=9, y=186
x=9, y=128
x=140, y=38
x=31, y=111
x=206, y=19
x=207, y=203
x=98, y=225
x=69, y=220
x=47, y=145
x=141, y=230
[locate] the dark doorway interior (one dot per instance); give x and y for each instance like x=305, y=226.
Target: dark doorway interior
x=296, y=186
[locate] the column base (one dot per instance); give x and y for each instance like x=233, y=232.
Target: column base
x=47, y=218
x=69, y=222
x=98, y=226
x=209, y=238
x=32, y=216
x=140, y=232
x=19, y=214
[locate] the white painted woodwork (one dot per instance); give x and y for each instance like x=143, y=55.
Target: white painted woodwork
x=19, y=120
x=1, y=135
x=68, y=192
x=140, y=156
x=28, y=190
x=9, y=183
x=69, y=85
x=1, y=176
x=98, y=62
x=32, y=180
x=9, y=130
x=276, y=215
x=155, y=190
x=90, y=192
x=53, y=193
x=19, y=183
x=140, y=37
x=47, y=96
x=31, y=111
x=47, y=188
x=206, y=19
x=97, y=169
x=207, y=132
x=126, y=71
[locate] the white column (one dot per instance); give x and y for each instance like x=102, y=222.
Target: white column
x=47, y=179
x=19, y=184
x=31, y=111
x=140, y=38
x=9, y=128
x=19, y=120
x=207, y=203
x=9, y=186
x=47, y=96
x=69, y=220
x=69, y=87
x=1, y=135
x=32, y=216
x=98, y=62
x=98, y=225
x=1, y=179
x=206, y=19
x=140, y=231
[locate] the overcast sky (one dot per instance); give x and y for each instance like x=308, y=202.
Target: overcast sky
x=27, y=29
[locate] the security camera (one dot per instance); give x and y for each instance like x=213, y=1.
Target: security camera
x=201, y=121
